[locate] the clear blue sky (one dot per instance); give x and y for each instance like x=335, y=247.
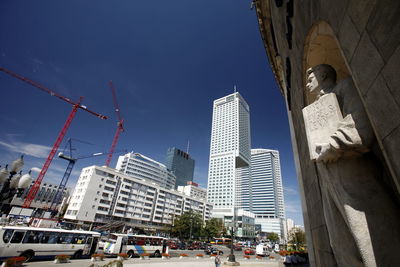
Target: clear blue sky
x=168, y=60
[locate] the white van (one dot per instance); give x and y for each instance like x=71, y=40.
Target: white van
x=262, y=250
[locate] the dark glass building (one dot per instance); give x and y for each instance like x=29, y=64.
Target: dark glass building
x=180, y=163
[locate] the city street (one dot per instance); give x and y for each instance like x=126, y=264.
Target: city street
x=175, y=261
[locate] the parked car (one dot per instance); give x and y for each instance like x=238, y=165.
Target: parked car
x=249, y=251
x=210, y=250
x=173, y=246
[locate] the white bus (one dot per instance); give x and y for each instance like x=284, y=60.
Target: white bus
x=32, y=242
x=135, y=245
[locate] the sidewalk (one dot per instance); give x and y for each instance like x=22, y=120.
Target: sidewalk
x=153, y=262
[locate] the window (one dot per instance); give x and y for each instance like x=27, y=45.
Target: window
x=7, y=235
x=33, y=237
x=17, y=237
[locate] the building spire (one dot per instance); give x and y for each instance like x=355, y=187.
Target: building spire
x=234, y=88
x=187, y=148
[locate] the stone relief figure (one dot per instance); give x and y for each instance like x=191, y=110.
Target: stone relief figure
x=362, y=219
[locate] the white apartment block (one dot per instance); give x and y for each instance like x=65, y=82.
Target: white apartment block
x=192, y=189
x=103, y=195
x=229, y=150
x=142, y=167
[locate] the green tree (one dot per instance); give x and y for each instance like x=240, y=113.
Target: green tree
x=297, y=238
x=213, y=228
x=188, y=225
x=273, y=237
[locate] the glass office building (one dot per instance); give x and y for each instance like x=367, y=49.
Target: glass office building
x=180, y=163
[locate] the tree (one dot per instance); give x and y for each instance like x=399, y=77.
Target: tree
x=188, y=225
x=273, y=237
x=213, y=228
x=297, y=238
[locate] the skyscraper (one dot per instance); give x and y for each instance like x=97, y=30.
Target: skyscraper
x=266, y=200
x=229, y=150
x=181, y=165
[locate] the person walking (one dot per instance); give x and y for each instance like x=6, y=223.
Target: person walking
x=217, y=261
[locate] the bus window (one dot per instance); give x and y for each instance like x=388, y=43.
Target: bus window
x=80, y=239
x=131, y=241
x=65, y=238
x=7, y=235
x=50, y=238
x=17, y=237
x=140, y=242
x=32, y=237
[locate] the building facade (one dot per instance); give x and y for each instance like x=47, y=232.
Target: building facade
x=44, y=197
x=229, y=150
x=142, y=167
x=261, y=191
x=192, y=189
x=180, y=163
x=362, y=44
x=103, y=195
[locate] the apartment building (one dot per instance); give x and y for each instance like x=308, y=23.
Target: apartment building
x=103, y=195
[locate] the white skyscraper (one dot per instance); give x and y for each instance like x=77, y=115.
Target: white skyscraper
x=265, y=185
x=229, y=150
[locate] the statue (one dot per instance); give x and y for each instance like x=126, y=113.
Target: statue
x=362, y=219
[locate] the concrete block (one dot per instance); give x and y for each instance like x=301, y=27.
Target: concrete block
x=365, y=54
x=348, y=37
x=359, y=13
x=392, y=146
x=383, y=110
x=384, y=26
x=391, y=74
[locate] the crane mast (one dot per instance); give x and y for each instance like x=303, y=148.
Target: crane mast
x=120, y=125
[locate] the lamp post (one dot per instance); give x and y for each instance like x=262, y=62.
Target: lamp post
x=231, y=258
x=12, y=181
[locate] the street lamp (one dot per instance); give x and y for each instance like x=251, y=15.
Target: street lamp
x=231, y=258
x=12, y=181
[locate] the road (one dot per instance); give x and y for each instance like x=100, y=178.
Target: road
x=174, y=261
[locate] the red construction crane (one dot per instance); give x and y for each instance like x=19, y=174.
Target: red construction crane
x=75, y=106
x=120, y=127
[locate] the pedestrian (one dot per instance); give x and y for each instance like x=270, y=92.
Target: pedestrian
x=217, y=261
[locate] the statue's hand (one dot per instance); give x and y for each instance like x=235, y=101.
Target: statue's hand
x=326, y=153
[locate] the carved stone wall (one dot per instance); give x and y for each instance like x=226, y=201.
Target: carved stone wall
x=358, y=38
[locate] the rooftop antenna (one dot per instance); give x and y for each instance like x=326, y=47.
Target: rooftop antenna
x=187, y=148
x=234, y=88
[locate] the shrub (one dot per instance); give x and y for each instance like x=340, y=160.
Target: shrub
x=145, y=255
x=165, y=254
x=183, y=255
x=13, y=261
x=259, y=257
x=246, y=256
x=199, y=255
x=101, y=256
x=62, y=257
x=123, y=255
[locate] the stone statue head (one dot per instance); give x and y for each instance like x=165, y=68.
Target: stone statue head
x=320, y=77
